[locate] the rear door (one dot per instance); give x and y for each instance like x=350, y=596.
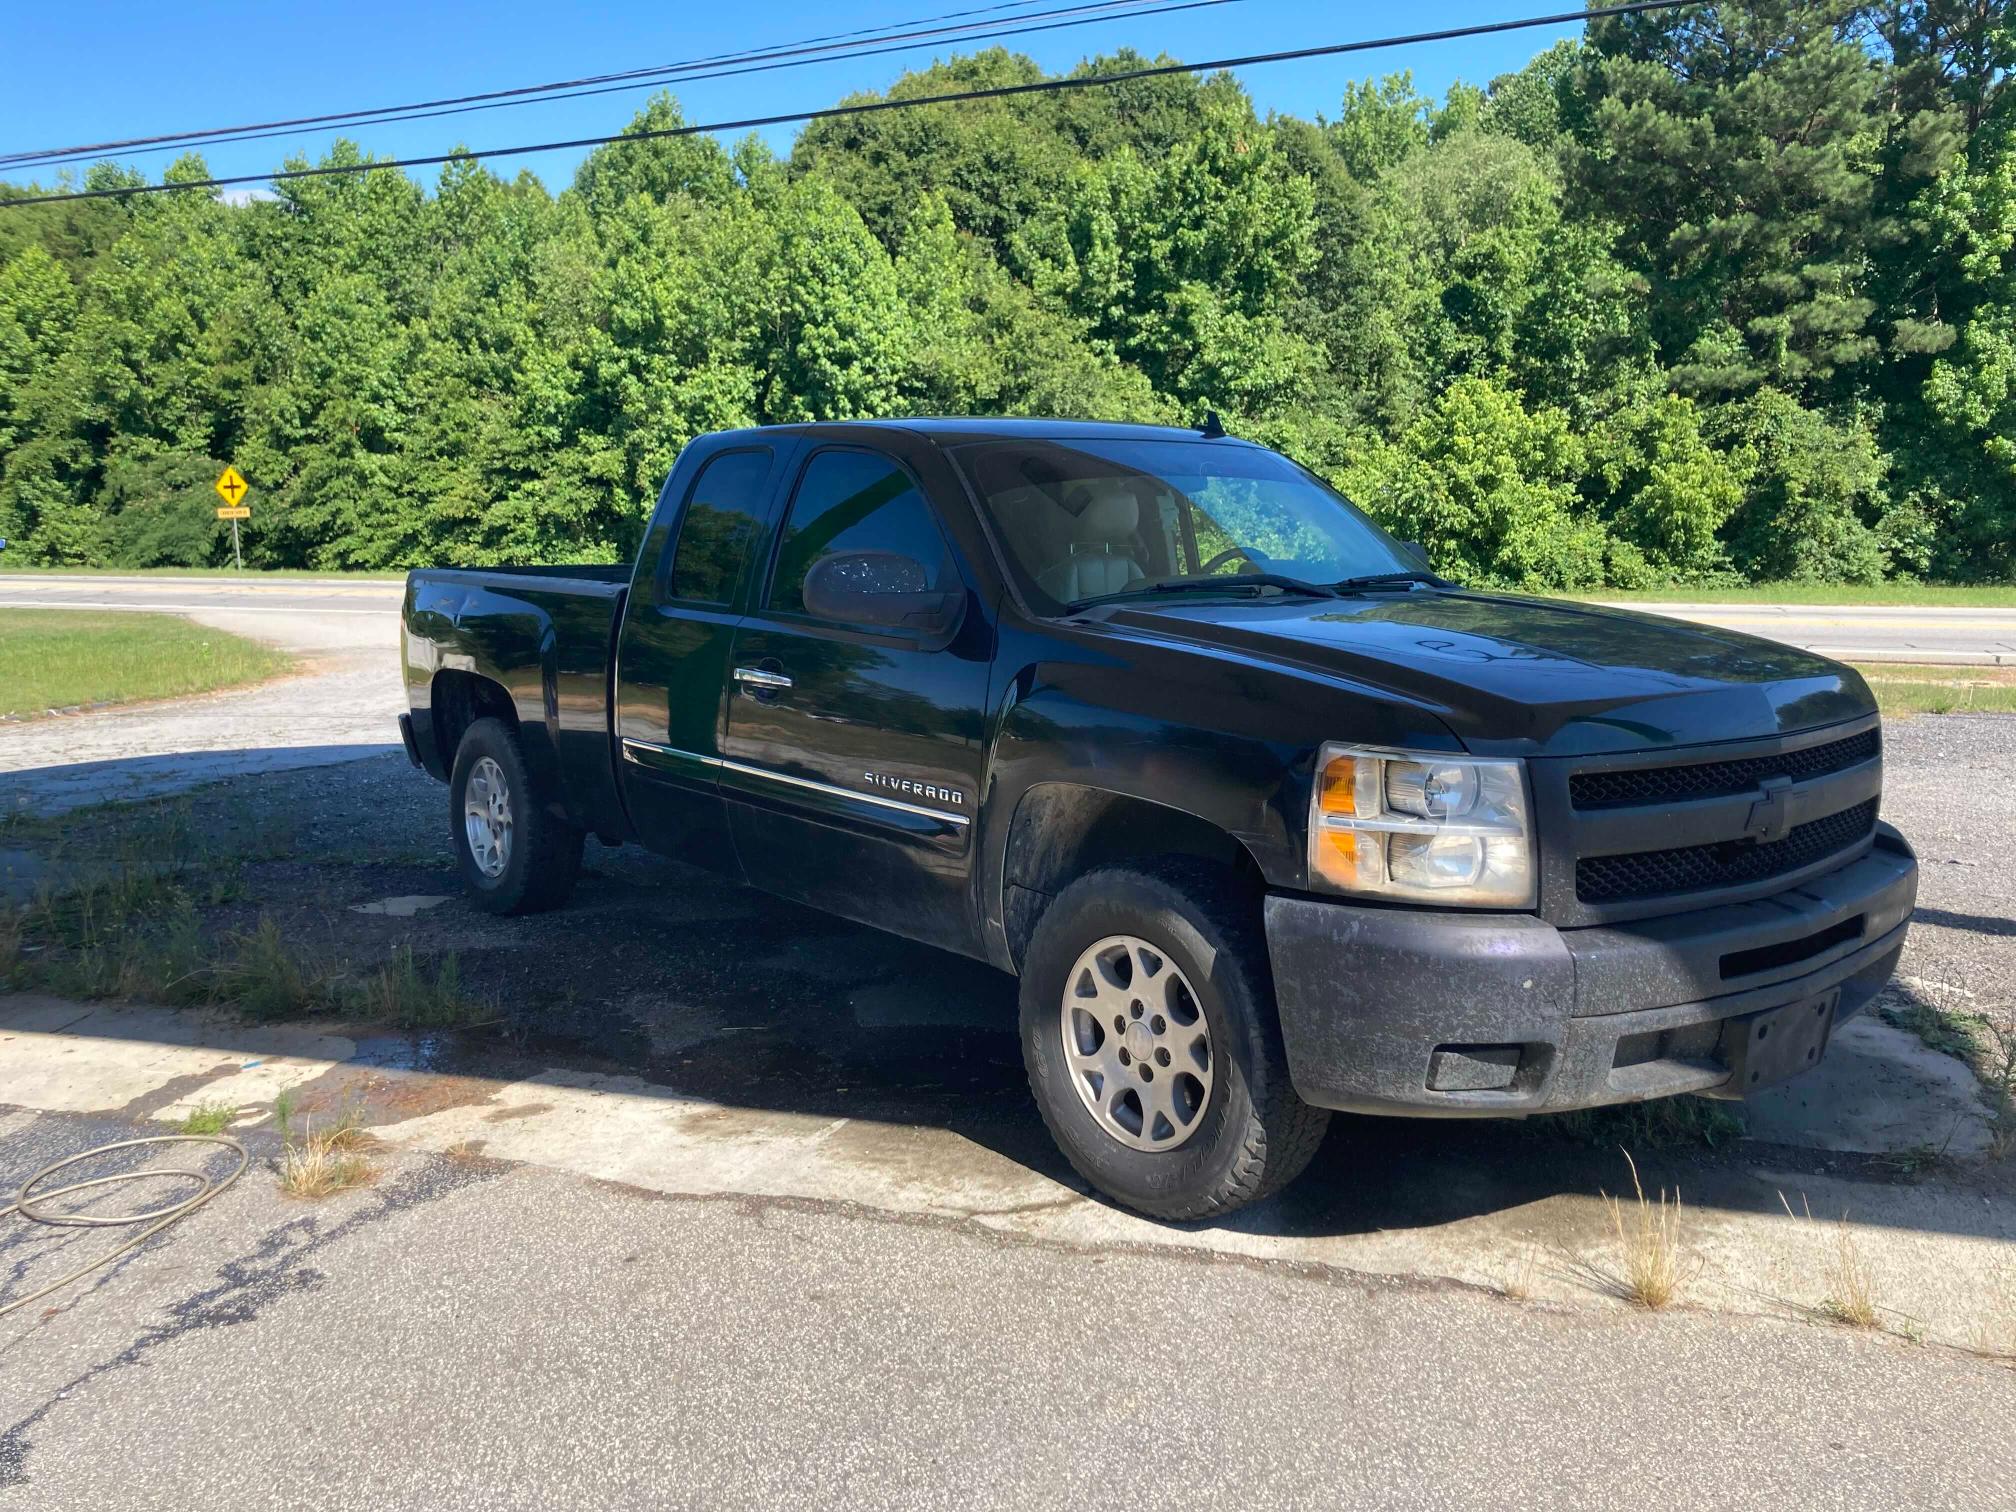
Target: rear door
x=672, y=667
x=854, y=756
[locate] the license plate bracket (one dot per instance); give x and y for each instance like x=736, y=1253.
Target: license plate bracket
x=1763, y=1048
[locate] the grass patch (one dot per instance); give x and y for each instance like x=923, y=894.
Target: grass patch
x=1851, y=1296
x=62, y=658
x=1905, y=688
x=1648, y=1243
x=1930, y=595
x=406, y=995
x=1666, y=1123
x=317, y=1163
x=266, y=978
x=208, y=1118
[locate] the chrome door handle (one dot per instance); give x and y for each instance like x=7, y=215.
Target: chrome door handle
x=756, y=677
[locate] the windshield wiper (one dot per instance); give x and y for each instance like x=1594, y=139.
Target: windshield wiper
x=1389, y=580
x=1213, y=584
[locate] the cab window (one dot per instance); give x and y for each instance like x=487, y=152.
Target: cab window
x=716, y=527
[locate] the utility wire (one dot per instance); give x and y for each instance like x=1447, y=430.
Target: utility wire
x=839, y=43
x=871, y=107
x=857, y=50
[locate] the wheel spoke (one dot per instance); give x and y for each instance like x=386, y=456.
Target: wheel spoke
x=1155, y=1104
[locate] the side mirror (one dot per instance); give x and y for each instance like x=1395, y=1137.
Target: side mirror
x=1419, y=553
x=883, y=589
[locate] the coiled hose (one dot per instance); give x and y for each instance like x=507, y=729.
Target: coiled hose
x=32, y=1204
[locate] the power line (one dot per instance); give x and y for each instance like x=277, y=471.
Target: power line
x=871, y=107
x=837, y=43
x=859, y=50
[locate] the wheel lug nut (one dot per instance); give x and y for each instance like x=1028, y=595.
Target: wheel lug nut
x=1158, y=1023
x=1124, y=1057
x=1146, y=1074
x=1161, y=1057
x=1135, y=1010
x=1119, y=1024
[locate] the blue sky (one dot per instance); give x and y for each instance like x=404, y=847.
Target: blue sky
x=94, y=72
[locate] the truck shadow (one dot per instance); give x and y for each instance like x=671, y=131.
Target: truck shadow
x=739, y=998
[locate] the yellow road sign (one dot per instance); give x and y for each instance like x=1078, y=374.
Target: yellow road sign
x=232, y=488
x=235, y=512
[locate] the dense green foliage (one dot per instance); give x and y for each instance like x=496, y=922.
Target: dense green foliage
x=1720, y=293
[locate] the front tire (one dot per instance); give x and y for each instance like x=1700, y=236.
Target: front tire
x=516, y=855
x=1153, y=1050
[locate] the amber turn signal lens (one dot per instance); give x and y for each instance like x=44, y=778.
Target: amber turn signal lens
x=1339, y=784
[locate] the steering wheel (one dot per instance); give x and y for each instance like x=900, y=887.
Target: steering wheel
x=1252, y=554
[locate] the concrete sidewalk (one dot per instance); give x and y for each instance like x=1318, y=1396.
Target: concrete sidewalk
x=1939, y=1250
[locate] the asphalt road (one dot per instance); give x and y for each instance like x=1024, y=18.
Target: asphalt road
x=1867, y=633
x=346, y=632
x=338, y=706
x=313, y=611
x=472, y=1334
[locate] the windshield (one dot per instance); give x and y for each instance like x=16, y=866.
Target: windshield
x=1092, y=520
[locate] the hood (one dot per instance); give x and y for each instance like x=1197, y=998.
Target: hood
x=1527, y=676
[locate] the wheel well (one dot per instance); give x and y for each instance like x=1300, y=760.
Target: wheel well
x=459, y=699
x=1063, y=830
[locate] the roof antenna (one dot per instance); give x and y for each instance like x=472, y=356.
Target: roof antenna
x=1213, y=428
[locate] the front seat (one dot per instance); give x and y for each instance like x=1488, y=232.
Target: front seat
x=1102, y=545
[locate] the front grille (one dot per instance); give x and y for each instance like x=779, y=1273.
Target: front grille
x=1716, y=779
x=1727, y=863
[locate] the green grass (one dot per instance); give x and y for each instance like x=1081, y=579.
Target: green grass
x=1852, y=595
x=62, y=658
x=208, y=1118
x=1665, y=1123
x=1901, y=688
x=407, y=995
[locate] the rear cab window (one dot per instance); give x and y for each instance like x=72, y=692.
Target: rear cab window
x=721, y=518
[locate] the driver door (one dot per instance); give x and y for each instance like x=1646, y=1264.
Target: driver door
x=854, y=755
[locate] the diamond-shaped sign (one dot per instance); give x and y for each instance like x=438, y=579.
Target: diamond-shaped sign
x=231, y=487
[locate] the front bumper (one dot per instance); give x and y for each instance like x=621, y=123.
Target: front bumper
x=1388, y=1010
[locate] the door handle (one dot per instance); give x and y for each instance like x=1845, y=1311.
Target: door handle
x=756, y=677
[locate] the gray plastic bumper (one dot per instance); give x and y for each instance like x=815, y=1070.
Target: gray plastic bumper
x=1388, y=1010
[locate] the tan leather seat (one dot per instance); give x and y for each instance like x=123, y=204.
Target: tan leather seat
x=1100, y=553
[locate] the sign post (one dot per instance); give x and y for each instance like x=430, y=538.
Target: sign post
x=232, y=488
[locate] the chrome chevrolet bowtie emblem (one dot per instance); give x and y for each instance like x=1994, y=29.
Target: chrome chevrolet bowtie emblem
x=1771, y=815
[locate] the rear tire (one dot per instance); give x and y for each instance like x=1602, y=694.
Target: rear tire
x=1174, y=946
x=515, y=854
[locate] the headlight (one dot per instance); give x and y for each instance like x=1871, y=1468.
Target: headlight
x=1407, y=824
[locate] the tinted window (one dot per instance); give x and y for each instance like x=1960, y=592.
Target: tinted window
x=719, y=522
x=853, y=501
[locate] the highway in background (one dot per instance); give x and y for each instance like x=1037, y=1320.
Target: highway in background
x=342, y=702
x=363, y=611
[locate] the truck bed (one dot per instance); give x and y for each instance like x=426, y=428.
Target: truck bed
x=593, y=576
x=545, y=635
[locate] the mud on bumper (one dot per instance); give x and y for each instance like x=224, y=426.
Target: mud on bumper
x=1455, y=1015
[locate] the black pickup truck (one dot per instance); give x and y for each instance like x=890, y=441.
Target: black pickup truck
x=1268, y=818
